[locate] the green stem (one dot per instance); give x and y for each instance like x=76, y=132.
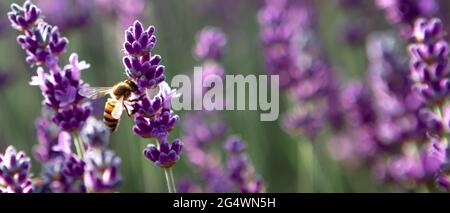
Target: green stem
x=170, y=181
x=169, y=177
x=78, y=144
x=306, y=167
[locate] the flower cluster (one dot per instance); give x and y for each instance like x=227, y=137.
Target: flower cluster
x=66, y=15
x=429, y=60
x=406, y=12
x=153, y=116
x=126, y=11
x=62, y=170
x=101, y=173
x=140, y=64
x=240, y=170
x=429, y=70
x=280, y=26
x=15, y=172
x=287, y=32
x=210, y=45
x=43, y=45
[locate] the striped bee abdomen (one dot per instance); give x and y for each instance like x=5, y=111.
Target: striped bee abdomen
x=108, y=119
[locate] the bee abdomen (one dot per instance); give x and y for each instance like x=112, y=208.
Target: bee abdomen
x=108, y=119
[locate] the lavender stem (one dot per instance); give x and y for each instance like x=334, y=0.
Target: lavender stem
x=306, y=165
x=170, y=181
x=78, y=144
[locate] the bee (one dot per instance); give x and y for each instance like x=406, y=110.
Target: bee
x=120, y=95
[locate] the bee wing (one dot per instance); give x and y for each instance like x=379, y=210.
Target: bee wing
x=118, y=109
x=94, y=92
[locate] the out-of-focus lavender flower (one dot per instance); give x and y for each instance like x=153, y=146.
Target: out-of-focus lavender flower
x=50, y=141
x=240, y=170
x=74, y=167
x=66, y=14
x=102, y=171
x=187, y=186
x=354, y=33
x=4, y=79
x=166, y=155
x=59, y=176
x=210, y=44
x=280, y=26
x=95, y=134
x=303, y=122
x=398, y=107
x=126, y=11
x=407, y=11
x=15, y=172
x=199, y=132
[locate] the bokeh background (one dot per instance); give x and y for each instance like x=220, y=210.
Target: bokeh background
x=95, y=32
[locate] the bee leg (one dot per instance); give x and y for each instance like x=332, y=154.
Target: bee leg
x=127, y=110
x=137, y=99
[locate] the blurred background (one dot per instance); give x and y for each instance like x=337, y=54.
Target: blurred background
x=287, y=160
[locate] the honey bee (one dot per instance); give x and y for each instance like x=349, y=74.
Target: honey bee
x=120, y=95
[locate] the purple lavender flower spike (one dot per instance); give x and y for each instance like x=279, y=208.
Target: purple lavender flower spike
x=235, y=145
x=429, y=60
x=47, y=135
x=166, y=155
x=140, y=64
x=95, y=134
x=56, y=177
x=407, y=11
x=67, y=15
x=14, y=172
x=433, y=156
x=102, y=171
x=154, y=117
x=74, y=167
x=240, y=169
x=72, y=118
x=24, y=17
x=210, y=44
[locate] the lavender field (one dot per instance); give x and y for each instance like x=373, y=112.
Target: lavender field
x=91, y=100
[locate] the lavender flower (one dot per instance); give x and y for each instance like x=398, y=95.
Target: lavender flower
x=280, y=26
x=154, y=118
x=95, y=134
x=166, y=155
x=48, y=137
x=15, y=172
x=126, y=11
x=199, y=132
x=140, y=64
x=43, y=45
x=429, y=61
x=240, y=170
x=102, y=171
x=407, y=11
x=66, y=15
x=25, y=17
x=210, y=44
x=62, y=176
